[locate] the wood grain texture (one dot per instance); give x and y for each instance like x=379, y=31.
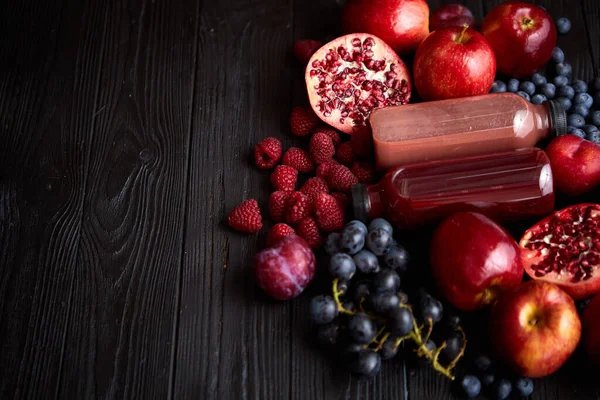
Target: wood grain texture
x=120, y=340
x=232, y=341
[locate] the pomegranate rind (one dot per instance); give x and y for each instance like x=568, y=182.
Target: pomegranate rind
x=350, y=76
x=579, y=276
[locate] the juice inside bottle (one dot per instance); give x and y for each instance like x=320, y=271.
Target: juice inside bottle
x=504, y=186
x=461, y=127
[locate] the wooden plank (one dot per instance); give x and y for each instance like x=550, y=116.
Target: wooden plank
x=591, y=16
x=232, y=341
x=126, y=280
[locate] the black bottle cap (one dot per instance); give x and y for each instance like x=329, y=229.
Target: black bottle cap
x=558, y=118
x=361, y=205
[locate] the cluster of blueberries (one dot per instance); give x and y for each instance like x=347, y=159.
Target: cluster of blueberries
x=581, y=100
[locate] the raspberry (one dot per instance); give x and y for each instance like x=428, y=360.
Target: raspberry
x=284, y=177
x=246, y=217
x=341, y=178
x=284, y=270
x=321, y=148
x=344, y=154
x=342, y=199
x=267, y=153
x=297, y=207
x=304, y=49
x=298, y=159
x=277, y=204
x=328, y=212
x=277, y=232
x=332, y=133
x=303, y=121
x=363, y=171
x=314, y=186
x=309, y=231
x=324, y=169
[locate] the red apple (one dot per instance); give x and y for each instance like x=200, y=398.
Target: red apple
x=575, y=164
x=454, y=62
x=473, y=259
x=591, y=329
x=451, y=15
x=522, y=35
x=402, y=24
x=535, y=328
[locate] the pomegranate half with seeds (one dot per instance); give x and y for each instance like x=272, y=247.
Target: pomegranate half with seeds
x=564, y=249
x=351, y=76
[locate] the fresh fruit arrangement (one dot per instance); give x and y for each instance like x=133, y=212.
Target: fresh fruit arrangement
x=367, y=316
x=529, y=287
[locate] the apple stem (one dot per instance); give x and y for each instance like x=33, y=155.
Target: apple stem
x=460, y=37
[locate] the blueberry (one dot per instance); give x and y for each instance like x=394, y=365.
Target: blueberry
x=575, y=120
x=368, y=364
x=342, y=266
x=483, y=363
x=389, y=349
x=524, y=387
x=581, y=109
x=579, y=86
x=379, y=241
x=558, y=55
x=564, y=69
x=358, y=224
x=498, y=87
x=366, y=262
x=513, y=85
x=538, y=79
x=524, y=95
x=400, y=321
x=565, y=103
x=384, y=302
x=386, y=280
x=361, y=328
x=381, y=223
x=566, y=91
x=548, y=90
x=577, y=132
x=502, y=388
x=563, y=25
x=471, y=386
x=595, y=84
x=560, y=81
x=595, y=118
x=589, y=129
x=323, y=309
x=488, y=379
x=352, y=240
x=527, y=87
x=538, y=99
x=594, y=137
x=332, y=243
x=584, y=98
x=397, y=259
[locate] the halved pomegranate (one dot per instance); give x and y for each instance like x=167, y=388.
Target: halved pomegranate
x=564, y=249
x=351, y=76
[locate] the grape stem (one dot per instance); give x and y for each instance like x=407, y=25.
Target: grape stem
x=336, y=297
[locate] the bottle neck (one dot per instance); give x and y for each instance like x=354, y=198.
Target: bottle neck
x=366, y=202
x=556, y=117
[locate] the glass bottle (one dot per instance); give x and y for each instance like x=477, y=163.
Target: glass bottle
x=461, y=127
x=504, y=186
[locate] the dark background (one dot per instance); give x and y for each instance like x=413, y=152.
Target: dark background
x=126, y=133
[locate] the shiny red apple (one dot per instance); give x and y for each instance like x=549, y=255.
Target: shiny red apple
x=522, y=35
x=402, y=24
x=473, y=259
x=451, y=15
x=575, y=164
x=591, y=329
x=535, y=328
x=454, y=62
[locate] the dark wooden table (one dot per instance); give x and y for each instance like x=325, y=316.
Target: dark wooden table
x=126, y=134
